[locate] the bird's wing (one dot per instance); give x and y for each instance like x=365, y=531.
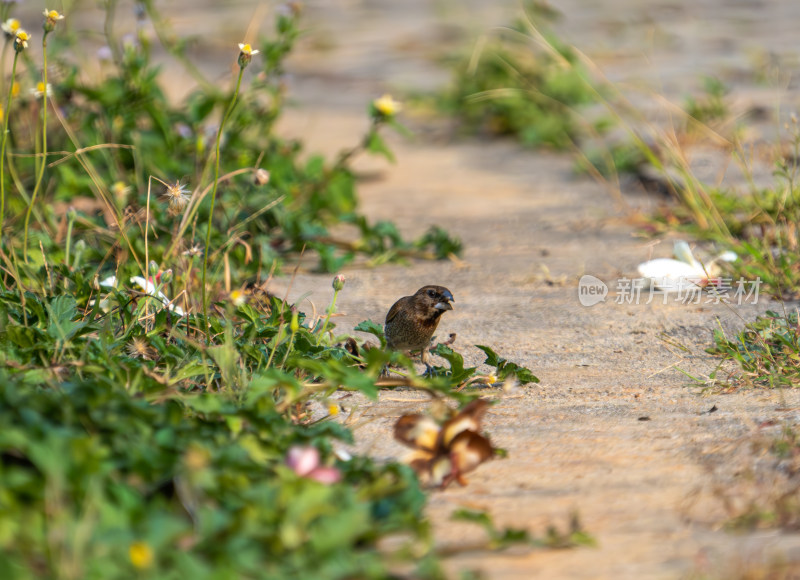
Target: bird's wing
x=395, y=309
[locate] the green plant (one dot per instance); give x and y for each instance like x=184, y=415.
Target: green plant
x=711, y=107
x=767, y=350
x=521, y=82
x=506, y=537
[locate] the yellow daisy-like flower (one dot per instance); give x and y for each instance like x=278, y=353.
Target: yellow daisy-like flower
x=386, y=106
x=40, y=89
x=141, y=555
x=333, y=409
x=246, y=53
x=238, y=297
x=21, y=40
x=10, y=27
x=247, y=49
x=51, y=17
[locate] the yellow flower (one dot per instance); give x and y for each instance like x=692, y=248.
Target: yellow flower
x=50, y=19
x=53, y=15
x=10, y=27
x=247, y=49
x=386, y=106
x=246, y=53
x=238, y=297
x=2, y=112
x=21, y=40
x=120, y=189
x=333, y=409
x=15, y=89
x=141, y=555
x=41, y=89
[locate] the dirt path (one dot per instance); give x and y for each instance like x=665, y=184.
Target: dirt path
x=644, y=488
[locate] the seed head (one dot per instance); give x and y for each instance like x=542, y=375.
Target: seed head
x=177, y=197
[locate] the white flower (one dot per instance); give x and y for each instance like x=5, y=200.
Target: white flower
x=670, y=275
x=40, y=89
x=10, y=27
x=149, y=288
x=109, y=282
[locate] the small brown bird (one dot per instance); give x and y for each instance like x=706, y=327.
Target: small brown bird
x=412, y=320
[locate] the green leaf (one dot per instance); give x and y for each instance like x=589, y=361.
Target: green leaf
x=505, y=368
x=458, y=373
x=491, y=357
x=373, y=328
x=62, y=309
x=376, y=144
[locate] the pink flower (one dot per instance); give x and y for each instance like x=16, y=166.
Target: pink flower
x=304, y=461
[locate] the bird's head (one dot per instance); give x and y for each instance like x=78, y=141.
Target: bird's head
x=435, y=297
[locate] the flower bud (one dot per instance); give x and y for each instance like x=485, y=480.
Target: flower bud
x=338, y=282
x=153, y=267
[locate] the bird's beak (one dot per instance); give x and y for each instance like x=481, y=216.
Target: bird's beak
x=445, y=304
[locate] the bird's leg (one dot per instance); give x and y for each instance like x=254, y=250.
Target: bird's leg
x=429, y=372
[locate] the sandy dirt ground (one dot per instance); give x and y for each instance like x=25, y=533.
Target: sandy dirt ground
x=650, y=491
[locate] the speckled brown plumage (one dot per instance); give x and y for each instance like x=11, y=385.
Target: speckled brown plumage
x=412, y=320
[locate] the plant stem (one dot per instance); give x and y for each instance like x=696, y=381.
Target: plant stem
x=44, y=150
x=70, y=223
x=213, y=199
x=278, y=338
x=3, y=146
x=331, y=310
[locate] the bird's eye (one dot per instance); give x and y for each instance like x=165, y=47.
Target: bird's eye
x=431, y=293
